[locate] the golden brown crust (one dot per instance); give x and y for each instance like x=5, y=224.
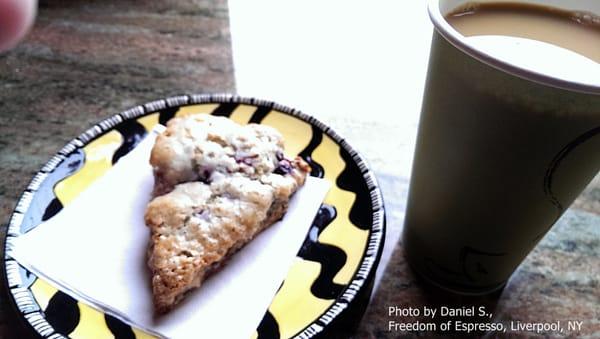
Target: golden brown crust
x=198, y=225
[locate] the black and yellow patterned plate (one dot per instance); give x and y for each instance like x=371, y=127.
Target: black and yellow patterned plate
x=329, y=283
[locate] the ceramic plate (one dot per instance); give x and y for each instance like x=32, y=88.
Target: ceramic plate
x=330, y=281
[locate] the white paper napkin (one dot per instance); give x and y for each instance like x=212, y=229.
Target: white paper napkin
x=95, y=250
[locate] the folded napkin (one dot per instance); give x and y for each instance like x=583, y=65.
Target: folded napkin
x=95, y=250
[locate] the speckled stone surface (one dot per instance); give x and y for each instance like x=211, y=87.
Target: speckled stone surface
x=86, y=60
x=558, y=281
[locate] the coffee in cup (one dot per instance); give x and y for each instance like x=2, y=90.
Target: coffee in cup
x=504, y=146
x=578, y=31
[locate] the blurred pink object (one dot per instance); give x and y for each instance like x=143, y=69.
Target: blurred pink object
x=16, y=17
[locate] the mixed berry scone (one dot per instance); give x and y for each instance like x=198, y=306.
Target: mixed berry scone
x=217, y=185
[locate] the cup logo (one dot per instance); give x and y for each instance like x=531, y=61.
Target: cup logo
x=573, y=155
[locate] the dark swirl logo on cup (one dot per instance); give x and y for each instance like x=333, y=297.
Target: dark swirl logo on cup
x=570, y=156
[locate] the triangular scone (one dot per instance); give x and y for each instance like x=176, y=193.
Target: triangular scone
x=212, y=205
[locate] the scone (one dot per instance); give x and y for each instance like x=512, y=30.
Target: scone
x=200, y=146
x=217, y=185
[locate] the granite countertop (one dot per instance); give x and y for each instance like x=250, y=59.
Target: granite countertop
x=558, y=281
x=86, y=60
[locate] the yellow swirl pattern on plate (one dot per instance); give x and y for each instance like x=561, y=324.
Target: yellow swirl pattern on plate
x=294, y=306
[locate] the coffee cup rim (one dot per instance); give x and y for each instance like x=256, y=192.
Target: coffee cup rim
x=459, y=41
